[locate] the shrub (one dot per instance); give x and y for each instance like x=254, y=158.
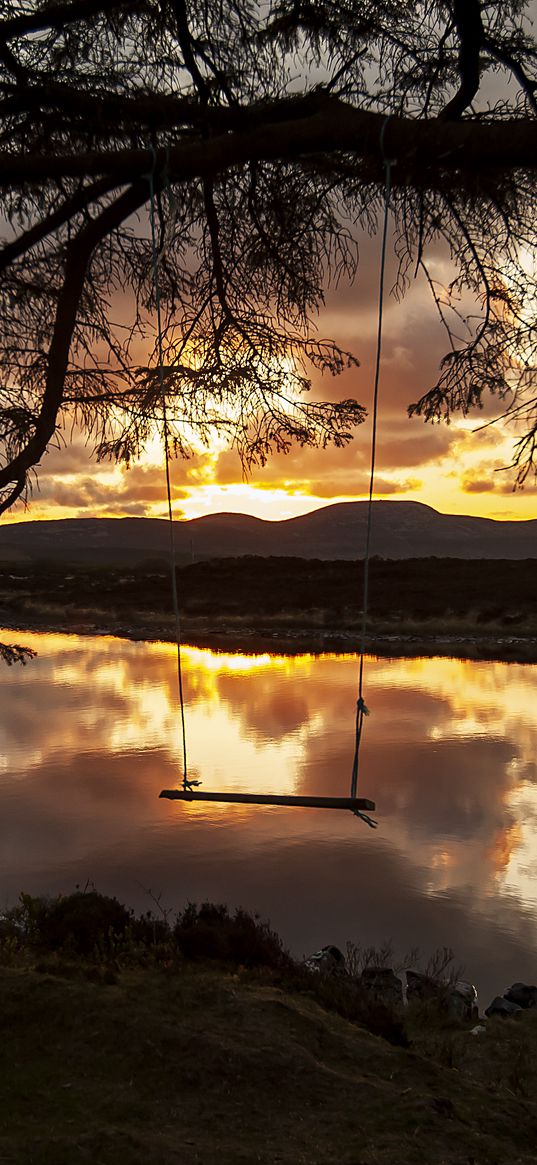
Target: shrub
x=79, y=922
x=211, y=932
x=82, y=922
x=149, y=931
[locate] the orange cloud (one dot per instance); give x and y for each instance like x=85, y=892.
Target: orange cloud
x=479, y=485
x=495, y=479
x=449, y=467
x=505, y=843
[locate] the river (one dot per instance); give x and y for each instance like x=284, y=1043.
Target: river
x=90, y=737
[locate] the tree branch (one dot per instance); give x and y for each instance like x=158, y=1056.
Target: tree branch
x=78, y=256
x=12, y=653
x=154, y=109
x=185, y=41
x=58, y=15
x=13, y=495
x=214, y=232
x=12, y=64
x=427, y=151
x=505, y=58
x=467, y=17
x=58, y=218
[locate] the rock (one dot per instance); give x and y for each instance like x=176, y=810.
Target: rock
x=328, y=961
x=503, y=1008
x=383, y=983
x=458, y=998
x=478, y=1030
x=461, y=999
x=521, y=994
x=419, y=986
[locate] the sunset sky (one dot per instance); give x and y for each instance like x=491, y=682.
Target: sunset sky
x=454, y=468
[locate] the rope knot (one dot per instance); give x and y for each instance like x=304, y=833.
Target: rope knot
x=362, y=706
x=365, y=817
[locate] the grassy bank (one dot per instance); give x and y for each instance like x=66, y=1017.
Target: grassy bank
x=154, y=1047
x=480, y=609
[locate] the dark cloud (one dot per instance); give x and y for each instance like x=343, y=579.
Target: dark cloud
x=134, y=491
x=331, y=472
x=501, y=481
x=66, y=458
x=420, y=448
x=81, y=492
x=507, y=485
x=477, y=486
x=343, y=485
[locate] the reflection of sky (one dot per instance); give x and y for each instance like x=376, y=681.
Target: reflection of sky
x=90, y=736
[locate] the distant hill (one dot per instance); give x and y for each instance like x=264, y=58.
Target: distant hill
x=399, y=530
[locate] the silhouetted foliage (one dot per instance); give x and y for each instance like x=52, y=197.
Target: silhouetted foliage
x=262, y=132
x=12, y=653
x=211, y=932
x=265, y=588
x=79, y=923
x=90, y=935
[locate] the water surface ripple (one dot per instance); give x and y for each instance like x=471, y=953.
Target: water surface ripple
x=90, y=736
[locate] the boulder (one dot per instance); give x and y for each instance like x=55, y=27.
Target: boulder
x=423, y=987
x=458, y=998
x=503, y=1008
x=383, y=983
x=521, y=994
x=328, y=961
x=461, y=1000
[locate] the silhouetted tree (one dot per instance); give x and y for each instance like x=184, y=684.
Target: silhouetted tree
x=262, y=130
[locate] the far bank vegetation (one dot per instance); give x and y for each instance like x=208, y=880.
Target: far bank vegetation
x=237, y=599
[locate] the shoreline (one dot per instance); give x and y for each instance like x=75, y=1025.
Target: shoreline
x=493, y=646
x=290, y=606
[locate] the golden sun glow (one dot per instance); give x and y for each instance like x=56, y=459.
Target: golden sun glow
x=457, y=469
x=469, y=478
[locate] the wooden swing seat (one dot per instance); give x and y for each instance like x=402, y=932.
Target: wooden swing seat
x=354, y=804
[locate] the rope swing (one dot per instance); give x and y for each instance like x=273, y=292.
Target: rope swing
x=166, y=443
x=359, y=806
x=361, y=708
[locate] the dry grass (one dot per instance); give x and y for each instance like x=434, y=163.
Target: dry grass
x=197, y=1066
x=183, y=1061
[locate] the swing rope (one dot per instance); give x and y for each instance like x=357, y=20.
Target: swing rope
x=361, y=709
x=166, y=443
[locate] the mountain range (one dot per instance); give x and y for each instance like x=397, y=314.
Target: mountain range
x=399, y=530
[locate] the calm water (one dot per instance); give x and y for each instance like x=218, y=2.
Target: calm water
x=90, y=736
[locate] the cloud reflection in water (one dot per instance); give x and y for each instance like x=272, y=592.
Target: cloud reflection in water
x=90, y=734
